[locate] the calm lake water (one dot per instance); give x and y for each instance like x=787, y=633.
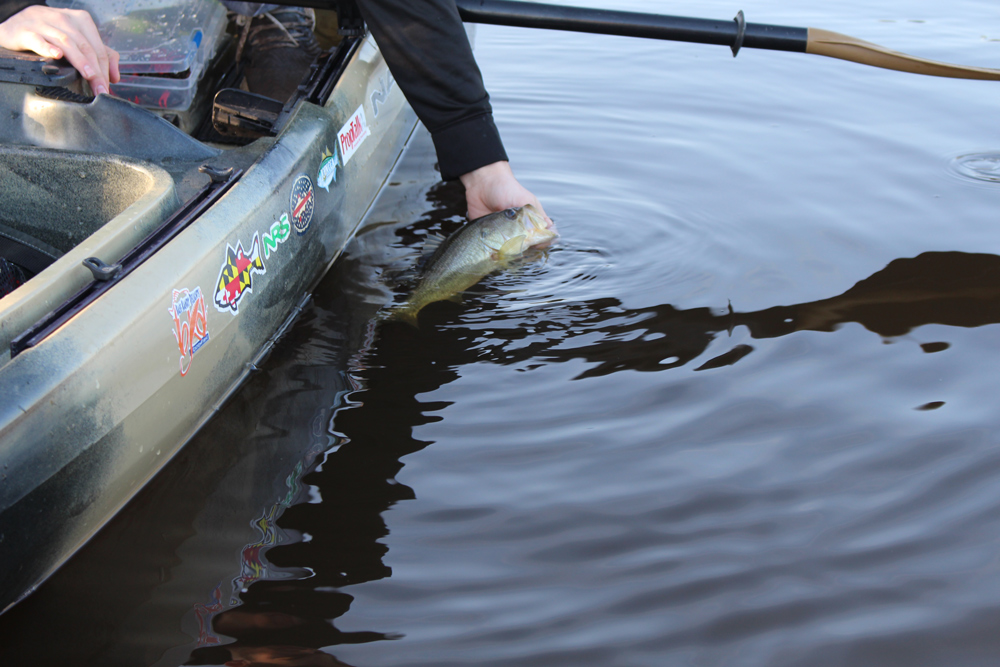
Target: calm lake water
x=743, y=412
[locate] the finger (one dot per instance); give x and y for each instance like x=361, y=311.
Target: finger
x=37, y=44
x=524, y=196
x=82, y=56
x=76, y=35
x=113, y=72
x=103, y=63
x=92, y=39
x=538, y=206
x=58, y=33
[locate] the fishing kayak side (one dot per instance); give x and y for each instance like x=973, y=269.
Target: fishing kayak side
x=89, y=414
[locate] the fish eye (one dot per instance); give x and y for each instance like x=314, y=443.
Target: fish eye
x=511, y=213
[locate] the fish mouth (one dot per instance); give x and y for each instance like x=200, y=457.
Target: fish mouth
x=534, y=219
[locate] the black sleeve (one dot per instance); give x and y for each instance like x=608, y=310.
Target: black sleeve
x=10, y=7
x=426, y=47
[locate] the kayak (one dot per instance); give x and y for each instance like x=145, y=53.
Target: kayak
x=167, y=267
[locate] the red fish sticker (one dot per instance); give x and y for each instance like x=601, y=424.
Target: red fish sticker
x=302, y=203
x=236, y=275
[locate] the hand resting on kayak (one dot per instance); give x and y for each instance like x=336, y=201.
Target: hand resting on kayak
x=494, y=188
x=58, y=33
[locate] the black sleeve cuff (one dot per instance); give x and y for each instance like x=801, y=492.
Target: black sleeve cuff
x=468, y=145
x=10, y=7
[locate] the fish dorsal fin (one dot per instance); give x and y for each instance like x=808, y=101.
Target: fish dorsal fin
x=512, y=246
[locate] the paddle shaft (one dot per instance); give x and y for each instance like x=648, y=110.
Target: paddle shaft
x=634, y=24
x=613, y=22
x=734, y=34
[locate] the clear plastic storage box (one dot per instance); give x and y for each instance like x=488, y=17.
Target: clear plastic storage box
x=164, y=45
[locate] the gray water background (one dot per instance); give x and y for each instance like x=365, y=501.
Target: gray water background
x=744, y=412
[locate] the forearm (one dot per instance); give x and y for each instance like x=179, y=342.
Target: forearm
x=426, y=47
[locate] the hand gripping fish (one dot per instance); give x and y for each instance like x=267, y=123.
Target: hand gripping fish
x=473, y=252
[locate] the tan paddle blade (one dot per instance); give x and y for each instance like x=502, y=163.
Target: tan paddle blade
x=835, y=45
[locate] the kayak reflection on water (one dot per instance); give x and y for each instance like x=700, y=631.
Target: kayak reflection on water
x=357, y=481
x=291, y=617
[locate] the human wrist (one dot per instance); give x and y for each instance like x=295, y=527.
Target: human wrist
x=486, y=173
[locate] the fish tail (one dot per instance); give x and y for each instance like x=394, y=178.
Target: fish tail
x=407, y=314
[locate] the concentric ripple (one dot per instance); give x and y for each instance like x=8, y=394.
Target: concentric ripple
x=978, y=166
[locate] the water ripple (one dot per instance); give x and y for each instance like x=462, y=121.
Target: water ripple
x=978, y=166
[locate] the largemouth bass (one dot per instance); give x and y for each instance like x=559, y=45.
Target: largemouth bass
x=473, y=252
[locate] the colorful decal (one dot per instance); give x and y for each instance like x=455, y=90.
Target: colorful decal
x=278, y=234
x=236, y=275
x=187, y=307
x=378, y=97
x=328, y=168
x=302, y=203
x=353, y=134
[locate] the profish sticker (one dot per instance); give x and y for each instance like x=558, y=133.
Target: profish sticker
x=353, y=134
x=280, y=230
x=187, y=308
x=302, y=203
x=327, y=172
x=236, y=275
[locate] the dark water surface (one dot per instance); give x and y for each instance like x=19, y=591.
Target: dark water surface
x=744, y=412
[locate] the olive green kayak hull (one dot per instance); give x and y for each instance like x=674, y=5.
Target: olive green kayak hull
x=90, y=412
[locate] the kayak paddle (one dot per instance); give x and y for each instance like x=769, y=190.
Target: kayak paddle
x=735, y=34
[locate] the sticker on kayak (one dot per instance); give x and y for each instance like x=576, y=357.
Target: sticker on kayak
x=302, y=203
x=236, y=275
x=327, y=172
x=187, y=308
x=280, y=230
x=353, y=134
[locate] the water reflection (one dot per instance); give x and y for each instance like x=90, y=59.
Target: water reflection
x=951, y=288
x=357, y=479
x=356, y=482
